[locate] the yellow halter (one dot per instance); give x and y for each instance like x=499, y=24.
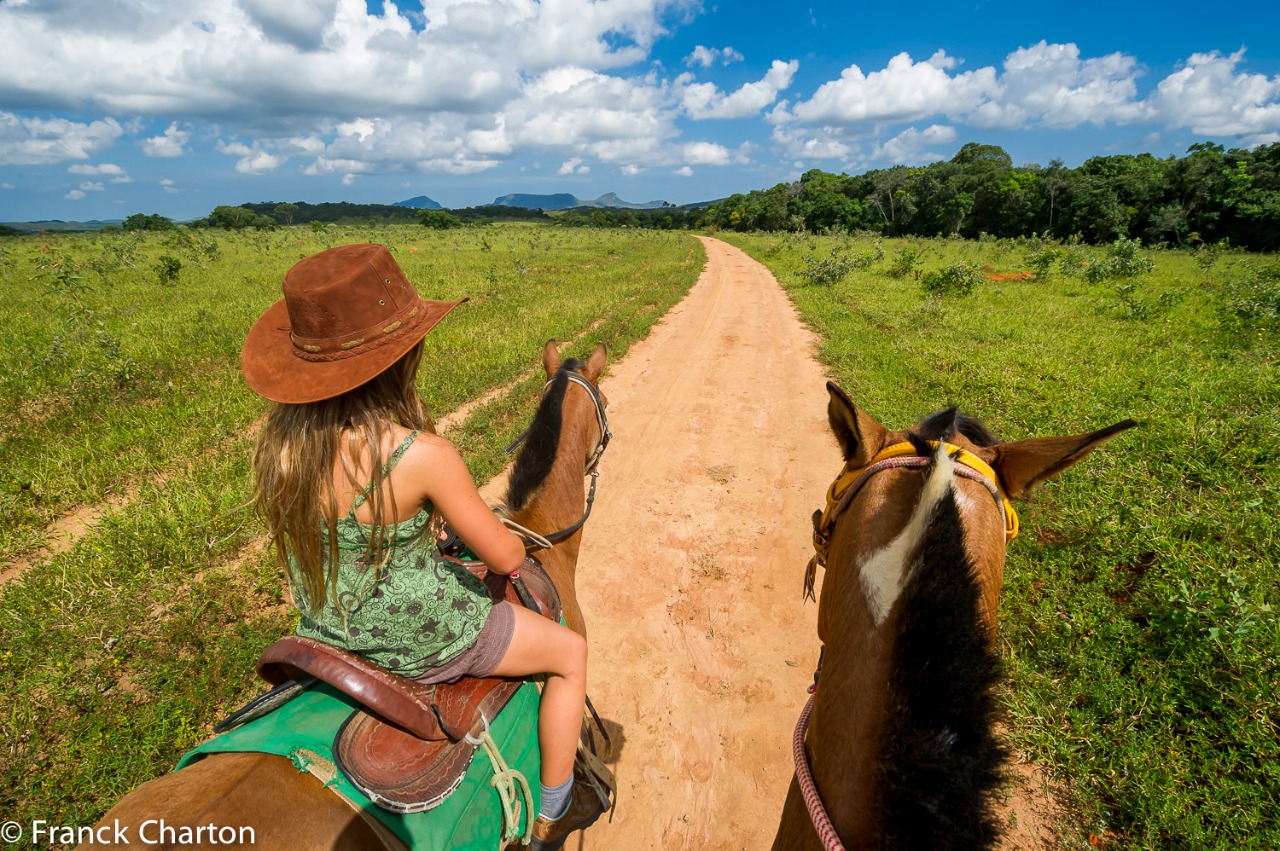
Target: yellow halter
x=843, y=488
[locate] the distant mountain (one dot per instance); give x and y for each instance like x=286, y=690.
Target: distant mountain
x=61, y=226
x=420, y=202
x=565, y=201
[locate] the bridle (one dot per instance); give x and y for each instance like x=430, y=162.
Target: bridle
x=851, y=479
x=590, y=468
x=846, y=485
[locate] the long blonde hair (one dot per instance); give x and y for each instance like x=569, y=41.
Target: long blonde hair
x=296, y=459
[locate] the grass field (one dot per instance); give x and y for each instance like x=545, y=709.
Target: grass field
x=1138, y=616
x=122, y=387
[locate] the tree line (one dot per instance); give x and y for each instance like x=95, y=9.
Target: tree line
x=1210, y=195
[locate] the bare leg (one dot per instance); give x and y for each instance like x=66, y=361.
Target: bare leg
x=539, y=646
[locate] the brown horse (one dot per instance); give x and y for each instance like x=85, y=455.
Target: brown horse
x=900, y=749
x=289, y=809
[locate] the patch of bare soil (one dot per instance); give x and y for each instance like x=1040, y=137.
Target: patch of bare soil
x=63, y=533
x=690, y=570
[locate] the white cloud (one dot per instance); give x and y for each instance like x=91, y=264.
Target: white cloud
x=1209, y=97
x=704, y=100
x=806, y=144
x=573, y=166
x=169, y=144
x=631, y=170
x=1050, y=85
x=41, y=141
x=904, y=91
x=348, y=179
x=167, y=185
x=911, y=145
x=74, y=195
x=705, y=57
x=300, y=23
x=706, y=153
x=6, y=186
x=104, y=169
x=89, y=186
x=255, y=159
x=683, y=171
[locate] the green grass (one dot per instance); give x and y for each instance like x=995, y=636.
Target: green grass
x=119, y=653
x=1138, y=614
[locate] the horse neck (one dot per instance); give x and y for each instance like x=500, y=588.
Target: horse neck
x=560, y=500
x=889, y=692
x=850, y=703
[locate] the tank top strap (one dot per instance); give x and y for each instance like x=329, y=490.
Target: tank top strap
x=386, y=468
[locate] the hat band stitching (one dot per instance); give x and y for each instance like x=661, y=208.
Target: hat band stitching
x=343, y=348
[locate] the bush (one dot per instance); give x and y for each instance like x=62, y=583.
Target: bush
x=1251, y=304
x=957, y=279
x=1124, y=260
x=439, y=219
x=167, y=269
x=1043, y=260
x=904, y=262
x=867, y=258
x=828, y=271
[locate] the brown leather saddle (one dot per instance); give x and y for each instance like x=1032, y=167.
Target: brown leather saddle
x=409, y=744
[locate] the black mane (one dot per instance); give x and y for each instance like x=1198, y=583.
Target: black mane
x=533, y=464
x=942, y=761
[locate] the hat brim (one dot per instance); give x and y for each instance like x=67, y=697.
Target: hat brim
x=273, y=370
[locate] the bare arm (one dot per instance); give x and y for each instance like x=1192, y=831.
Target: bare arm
x=450, y=488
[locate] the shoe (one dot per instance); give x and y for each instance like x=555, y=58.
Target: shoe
x=584, y=808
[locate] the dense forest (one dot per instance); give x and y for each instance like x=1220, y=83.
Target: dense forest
x=1208, y=196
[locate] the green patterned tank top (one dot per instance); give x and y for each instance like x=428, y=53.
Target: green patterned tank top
x=416, y=613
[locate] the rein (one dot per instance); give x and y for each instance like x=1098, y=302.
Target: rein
x=593, y=461
x=839, y=495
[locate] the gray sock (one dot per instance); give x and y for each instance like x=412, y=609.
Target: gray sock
x=555, y=799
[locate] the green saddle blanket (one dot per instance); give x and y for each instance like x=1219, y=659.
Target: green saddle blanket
x=471, y=818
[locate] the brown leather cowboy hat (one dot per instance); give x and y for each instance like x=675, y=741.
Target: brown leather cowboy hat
x=347, y=314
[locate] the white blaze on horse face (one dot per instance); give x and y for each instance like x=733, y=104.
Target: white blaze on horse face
x=884, y=571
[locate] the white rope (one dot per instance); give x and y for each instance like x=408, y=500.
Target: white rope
x=512, y=788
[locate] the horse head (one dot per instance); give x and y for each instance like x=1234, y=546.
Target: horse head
x=900, y=736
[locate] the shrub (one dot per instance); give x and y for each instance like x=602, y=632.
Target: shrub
x=1251, y=304
x=904, y=262
x=957, y=279
x=439, y=219
x=1124, y=260
x=1043, y=260
x=167, y=269
x=827, y=271
x=866, y=258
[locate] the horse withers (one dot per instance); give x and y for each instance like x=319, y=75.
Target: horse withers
x=897, y=748
x=264, y=801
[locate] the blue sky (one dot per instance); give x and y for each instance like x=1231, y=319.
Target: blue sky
x=114, y=107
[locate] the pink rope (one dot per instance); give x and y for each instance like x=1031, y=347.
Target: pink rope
x=817, y=813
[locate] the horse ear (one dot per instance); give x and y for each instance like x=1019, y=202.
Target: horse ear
x=550, y=358
x=1023, y=464
x=595, y=363
x=860, y=437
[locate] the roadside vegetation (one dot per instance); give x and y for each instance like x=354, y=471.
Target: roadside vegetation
x=124, y=403
x=1138, y=620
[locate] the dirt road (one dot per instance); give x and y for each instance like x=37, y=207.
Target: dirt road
x=690, y=572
